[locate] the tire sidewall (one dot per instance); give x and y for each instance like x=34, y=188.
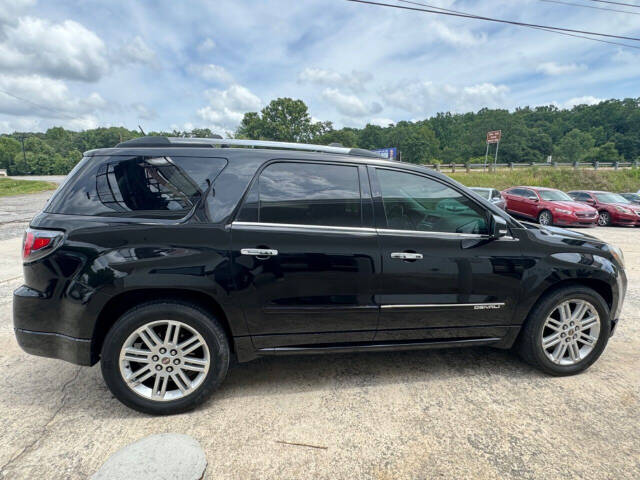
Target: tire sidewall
x=197, y=319
x=545, y=310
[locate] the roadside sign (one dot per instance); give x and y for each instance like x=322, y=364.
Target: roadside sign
x=494, y=136
x=387, y=153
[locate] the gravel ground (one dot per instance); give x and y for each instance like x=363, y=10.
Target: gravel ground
x=468, y=413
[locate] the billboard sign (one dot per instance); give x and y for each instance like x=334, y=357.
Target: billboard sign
x=494, y=136
x=387, y=153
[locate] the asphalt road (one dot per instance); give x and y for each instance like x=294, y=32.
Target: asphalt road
x=467, y=413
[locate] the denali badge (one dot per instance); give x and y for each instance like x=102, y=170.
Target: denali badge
x=487, y=307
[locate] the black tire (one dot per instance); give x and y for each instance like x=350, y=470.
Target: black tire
x=193, y=316
x=529, y=344
x=604, y=219
x=545, y=217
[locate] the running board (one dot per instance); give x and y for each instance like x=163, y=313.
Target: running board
x=375, y=347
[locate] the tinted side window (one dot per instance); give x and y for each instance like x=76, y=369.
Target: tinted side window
x=305, y=194
x=528, y=194
x=515, y=191
x=154, y=187
x=413, y=202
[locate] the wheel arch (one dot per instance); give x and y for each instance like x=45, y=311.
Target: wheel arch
x=599, y=286
x=119, y=304
x=545, y=210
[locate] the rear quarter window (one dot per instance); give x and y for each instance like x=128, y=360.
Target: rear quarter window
x=148, y=187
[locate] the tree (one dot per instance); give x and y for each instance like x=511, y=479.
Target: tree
x=9, y=149
x=284, y=119
x=574, y=146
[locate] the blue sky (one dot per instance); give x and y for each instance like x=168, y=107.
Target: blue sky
x=167, y=64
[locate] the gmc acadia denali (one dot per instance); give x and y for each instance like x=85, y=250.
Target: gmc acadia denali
x=164, y=257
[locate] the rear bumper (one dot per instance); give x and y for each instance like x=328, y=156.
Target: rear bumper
x=50, y=328
x=55, y=345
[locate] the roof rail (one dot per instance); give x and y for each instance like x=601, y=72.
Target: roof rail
x=231, y=142
x=158, y=141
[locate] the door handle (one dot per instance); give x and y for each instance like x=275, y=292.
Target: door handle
x=407, y=255
x=259, y=252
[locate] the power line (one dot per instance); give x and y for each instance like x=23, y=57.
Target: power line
x=489, y=19
x=469, y=15
x=590, y=6
x=615, y=3
x=59, y=113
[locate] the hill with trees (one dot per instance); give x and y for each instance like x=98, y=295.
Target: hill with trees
x=607, y=132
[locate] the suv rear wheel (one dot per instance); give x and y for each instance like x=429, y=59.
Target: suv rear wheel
x=566, y=331
x=165, y=357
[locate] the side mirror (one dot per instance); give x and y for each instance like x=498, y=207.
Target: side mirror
x=499, y=227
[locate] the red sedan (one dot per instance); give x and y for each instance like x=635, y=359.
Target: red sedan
x=549, y=207
x=613, y=209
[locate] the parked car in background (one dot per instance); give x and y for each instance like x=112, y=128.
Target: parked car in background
x=632, y=197
x=491, y=194
x=613, y=208
x=548, y=206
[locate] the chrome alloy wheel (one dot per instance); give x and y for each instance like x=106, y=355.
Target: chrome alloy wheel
x=571, y=332
x=545, y=218
x=164, y=360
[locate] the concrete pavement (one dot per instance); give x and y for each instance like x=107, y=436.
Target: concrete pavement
x=466, y=413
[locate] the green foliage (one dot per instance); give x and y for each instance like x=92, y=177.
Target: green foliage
x=285, y=120
x=607, y=132
x=566, y=179
x=10, y=186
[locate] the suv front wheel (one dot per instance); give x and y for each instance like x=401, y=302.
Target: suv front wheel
x=164, y=357
x=566, y=331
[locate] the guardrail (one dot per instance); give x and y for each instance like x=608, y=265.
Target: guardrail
x=479, y=167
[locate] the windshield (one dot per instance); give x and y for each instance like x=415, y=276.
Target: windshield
x=611, y=198
x=483, y=192
x=554, y=195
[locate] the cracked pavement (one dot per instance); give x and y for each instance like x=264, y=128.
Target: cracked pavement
x=466, y=413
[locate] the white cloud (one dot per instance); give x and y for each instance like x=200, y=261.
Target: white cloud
x=586, y=100
x=348, y=104
x=10, y=9
x=136, y=51
x=428, y=97
x=34, y=95
x=211, y=73
x=60, y=50
x=143, y=112
x=206, y=46
x=553, y=68
x=458, y=37
x=227, y=107
x=354, y=81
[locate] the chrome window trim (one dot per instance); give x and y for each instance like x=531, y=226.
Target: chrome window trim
x=360, y=230
x=295, y=226
x=420, y=233
x=439, y=305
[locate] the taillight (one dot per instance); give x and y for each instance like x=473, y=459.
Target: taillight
x=37, y=244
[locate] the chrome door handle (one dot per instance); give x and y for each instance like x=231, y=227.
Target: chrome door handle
x=259, y=252
x=407, y=256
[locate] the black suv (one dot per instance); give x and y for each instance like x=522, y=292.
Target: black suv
x=164, y=257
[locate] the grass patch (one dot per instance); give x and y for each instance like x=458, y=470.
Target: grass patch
x=9, y=186
x=621, y=181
